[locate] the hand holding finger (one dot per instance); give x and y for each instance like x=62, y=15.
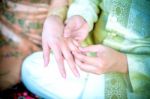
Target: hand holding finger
x=70, y=59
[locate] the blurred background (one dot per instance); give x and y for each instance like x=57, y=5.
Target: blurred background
x=21, y=23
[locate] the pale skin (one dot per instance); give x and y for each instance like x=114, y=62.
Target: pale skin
x=106, y=60
x=64, y=40
x=53, y=40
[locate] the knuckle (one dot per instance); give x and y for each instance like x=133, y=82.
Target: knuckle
x=102, y=67
x=82, y=57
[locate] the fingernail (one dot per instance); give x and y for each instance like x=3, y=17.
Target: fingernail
x=81, y=49
x=45, y=64
x=63, y=75
x=77, y=74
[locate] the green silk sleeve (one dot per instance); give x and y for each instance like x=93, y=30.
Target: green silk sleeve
x=139, y=74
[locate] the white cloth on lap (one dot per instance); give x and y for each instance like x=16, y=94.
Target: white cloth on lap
x=47, y=82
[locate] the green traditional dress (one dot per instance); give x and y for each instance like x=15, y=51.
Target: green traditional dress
x=123, y=25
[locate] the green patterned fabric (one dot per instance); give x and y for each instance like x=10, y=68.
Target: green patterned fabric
x=125, y=26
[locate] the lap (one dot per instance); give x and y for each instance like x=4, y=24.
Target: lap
x=47, y=81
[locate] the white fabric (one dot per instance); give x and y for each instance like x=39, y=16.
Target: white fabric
x=47, y=82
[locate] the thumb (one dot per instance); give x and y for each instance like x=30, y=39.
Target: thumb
x=70, y=24
x=67, y=31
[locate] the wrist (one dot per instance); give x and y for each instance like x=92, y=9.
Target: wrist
x=53, y=21
x=123, y=64
x=59, y=12
x=54, y=18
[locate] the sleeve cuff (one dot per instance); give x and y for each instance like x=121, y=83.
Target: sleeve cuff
x=87, y=10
